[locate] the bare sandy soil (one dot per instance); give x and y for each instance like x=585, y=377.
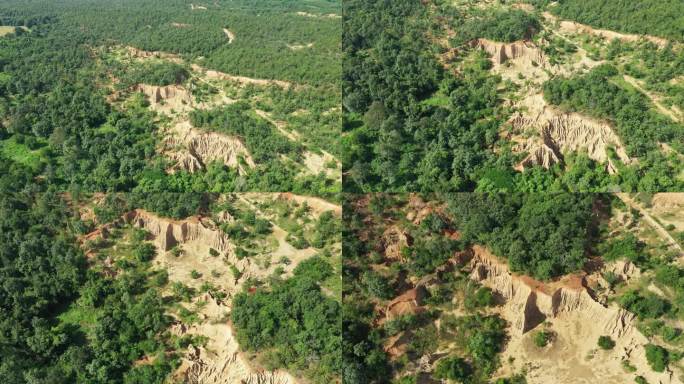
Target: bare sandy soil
x=230, y=35
x=220, y=360
x=567, y=309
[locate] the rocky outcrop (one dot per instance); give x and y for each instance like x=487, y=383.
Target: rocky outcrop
x=394, y=240
x=167, y=97
x=230, y=371
x=168, y=233
x=534, y=301
x=193, y=149
x=566, y=307
x=561, y=132
x=502, y=52
x=540, y=154
x=409, y=303
x=230, y=35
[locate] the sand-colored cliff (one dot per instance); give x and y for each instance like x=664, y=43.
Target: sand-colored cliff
x=193, y=149
x=561, y=132
x=567, y=308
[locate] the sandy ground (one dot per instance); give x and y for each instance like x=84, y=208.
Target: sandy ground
x=220, y=360
x=662, y=232
x=6, y=30
x=230, y=35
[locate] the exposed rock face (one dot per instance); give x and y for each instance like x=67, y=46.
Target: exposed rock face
x=172, y=96
x=169, y=233
x=537, y=301
x=540, y=154
x=503, y=52
x=577, y=319
x=394, y=240
x=230, y=35
x=408, y=303
x=562, y=133
x=200, y=148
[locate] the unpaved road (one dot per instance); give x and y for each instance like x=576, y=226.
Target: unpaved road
x=664, y=234
x=654, y=99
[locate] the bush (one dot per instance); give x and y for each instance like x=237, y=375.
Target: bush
x=377, y=285
x=640, y=380
x=657, y=357
x=213, y=252
x=627, y=247
x=542, y=338
x=517, y=379
x=605, y=342
x=237, y=274
x=483, y=297
x=453, y=368
x=645, y=306
x=144, y=252
x=195, y=274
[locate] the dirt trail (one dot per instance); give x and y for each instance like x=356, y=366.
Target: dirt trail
x=230, y=35
x=284, y=248
x=664, y=234
x=654, y=98
x=575, y=27
x=280, y=125
x=314, y=162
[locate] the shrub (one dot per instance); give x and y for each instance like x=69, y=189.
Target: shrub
x=646, y=306
x=542, y=338
x=657, y=357
x=177, y=251
x=195, y=275
x=483, y=297
x=214, y=252
x=453, y=368
x=144, y=252
x=237, y=274
x=605, y=342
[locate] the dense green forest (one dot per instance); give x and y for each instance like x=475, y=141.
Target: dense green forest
x=262, y=32
x=61, y=321
x=499, y=25
x=293, y=322
x=57, y=119
x=542, y=235
x=652, y=17
x=408, y=126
